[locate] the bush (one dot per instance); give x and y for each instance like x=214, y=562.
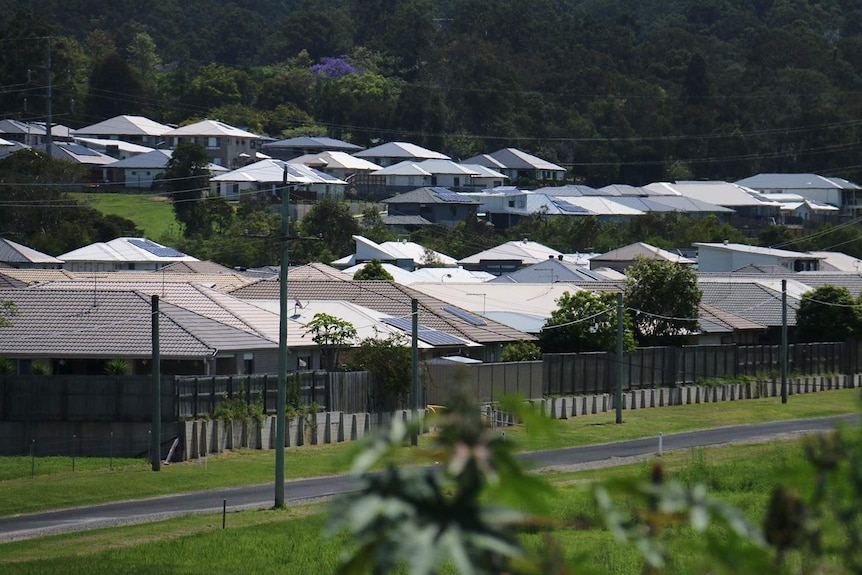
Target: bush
x=116, y=366
x=236, y=408
x=7, y=366
x=41, y=368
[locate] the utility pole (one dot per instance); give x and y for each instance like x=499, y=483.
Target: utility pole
x=618, y=373
x=414, y=387
x=281, y=402
x=48, y=119
x=156, y=435
x=783, y=341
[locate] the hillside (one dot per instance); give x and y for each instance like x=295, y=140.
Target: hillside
x=622, y=92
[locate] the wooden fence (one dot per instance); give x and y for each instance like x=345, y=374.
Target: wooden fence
x=485, y=382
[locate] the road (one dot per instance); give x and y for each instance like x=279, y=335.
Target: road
x=306, y=490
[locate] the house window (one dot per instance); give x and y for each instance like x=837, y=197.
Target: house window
x=511, y=203
x=303, y=362
x=212, y=143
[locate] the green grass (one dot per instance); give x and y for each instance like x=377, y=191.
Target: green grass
x=292, y=542
x=97, y=485
x=152, y=214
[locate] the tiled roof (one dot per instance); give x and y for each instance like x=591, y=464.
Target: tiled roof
x=749, y=300
x=388, y=298
x=106, y=323
x=431, y=196
x=196, y=267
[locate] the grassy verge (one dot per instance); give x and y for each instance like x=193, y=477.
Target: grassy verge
x=66, y=489
x=152, y=214
x=291, y=541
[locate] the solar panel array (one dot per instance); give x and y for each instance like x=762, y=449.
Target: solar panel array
x=426, y=334
x=465, y=315
x=567, y=207
x=80, y=150
x=156, y=249
x=448, y=195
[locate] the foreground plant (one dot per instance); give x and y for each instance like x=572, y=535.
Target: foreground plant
x=459, y=512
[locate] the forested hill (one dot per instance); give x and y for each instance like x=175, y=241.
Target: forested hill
x=621, y=91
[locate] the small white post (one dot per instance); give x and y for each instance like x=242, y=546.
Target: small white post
x=660, y=443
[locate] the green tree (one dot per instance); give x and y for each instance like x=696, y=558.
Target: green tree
x=389, y=361
x=115, y=89
x=7, y=310
x=664, y=299
x=332, y=222
x=373, y=270
x=585, y=321
x=331, y=334
x=521, y=351
x=188, y=178
x=828, y=313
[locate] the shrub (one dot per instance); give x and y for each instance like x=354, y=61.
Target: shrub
x=116, y=366
x=41, y=368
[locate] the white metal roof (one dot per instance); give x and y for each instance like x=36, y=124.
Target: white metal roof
x=211, y=128
x=336, y=160
x=401, y=150
x=125, y=126
x=718, y=193
x=272, y=171
x=125, y=250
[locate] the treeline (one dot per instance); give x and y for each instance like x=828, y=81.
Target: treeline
x=620, y=92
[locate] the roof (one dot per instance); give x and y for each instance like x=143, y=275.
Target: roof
x=108, y=323
x=98, y=143
x=196, y=267
x=515, y=159
x=671, y=204
x=125, y=126
x=573, y=190
x=718, y=193
x=640, y=249
x=317, y=272
x=598, y=206
x=15, y=253
x=211, y=128
x=314, y=142
x=367, y=250
x=837, y=261
x=126, y=250
x=771, y=181
x=405, y=221
x=391, y=299
x=744, y=248
x=271, y=171
x=401, y=150
x=431, y=196
x=78, y=154
x=748, y=299
x=484, y=171
x=155, y=160
x=336, y=160
x=549, y=271
x=10, y=126
x=524, y=251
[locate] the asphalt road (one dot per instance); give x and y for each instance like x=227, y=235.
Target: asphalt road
x=303, y=491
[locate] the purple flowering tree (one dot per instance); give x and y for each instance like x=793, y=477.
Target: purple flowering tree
x=334, y=67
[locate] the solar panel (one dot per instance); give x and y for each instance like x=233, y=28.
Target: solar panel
x=465, y=315
x=567, y=207
x=426, y=334
x=156, y=249
x=449, y=196
x=80, y=150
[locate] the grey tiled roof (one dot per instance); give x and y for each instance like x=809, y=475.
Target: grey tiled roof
x=104, y=323
x=388, y=298
x=751, y=301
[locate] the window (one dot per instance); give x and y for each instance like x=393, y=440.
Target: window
x=212, y=143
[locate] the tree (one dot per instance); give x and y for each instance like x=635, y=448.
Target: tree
x=828, y=313
x=7, y=310
x=188, y=178
x=115, y=89
x=664, y=299
x=331, y=334
x=373, y=270
x=389, y=361
x=522, y=351
x=585, y=321
x=332, y=222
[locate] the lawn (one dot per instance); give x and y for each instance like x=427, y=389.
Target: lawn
x=291, y=541
x=94, y=482
x=152, y=214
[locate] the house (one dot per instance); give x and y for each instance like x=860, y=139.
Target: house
x=406, y=255
x=726, y=257
x=77, y=331
x=622, y=258
x=15, y=255
x=307, y=145
x=551, y=270
x=408, y=175
x=509, y=257
x=519, y=165
x=130, y=254
x=797, y=210
x=226, y=145
x=837, y=192
x=270, y=175
x=436, y=205
x=394, y=152
x=133, y=129
x=750, y=208
x=95, y=161
x=8, y=147
x=339, y=164
x=31, y=133
x=441, y=324
x=117, y=149
x=143, y=170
